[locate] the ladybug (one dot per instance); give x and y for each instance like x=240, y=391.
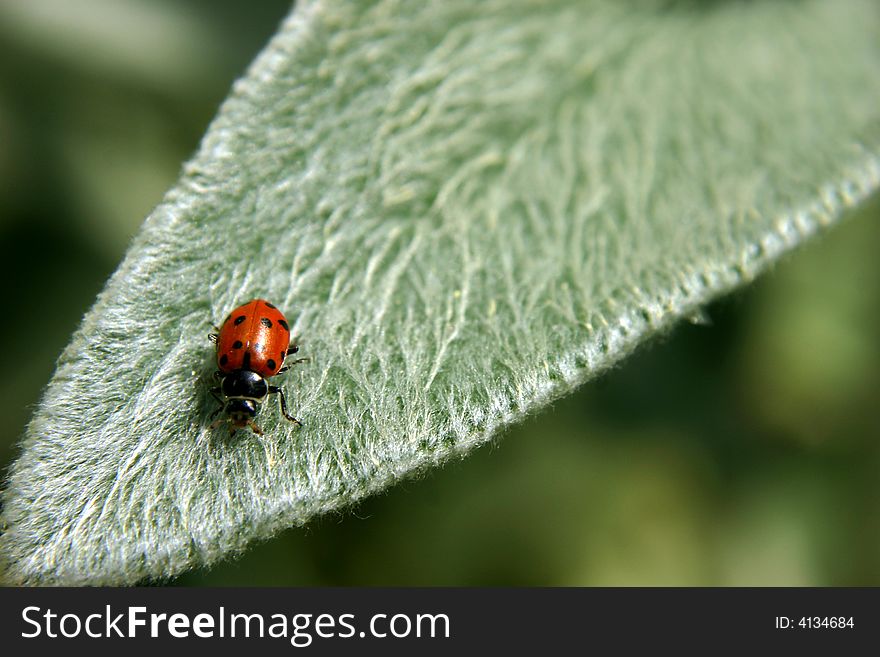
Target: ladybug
x=252, y=344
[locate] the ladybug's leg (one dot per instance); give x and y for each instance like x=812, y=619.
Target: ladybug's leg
x=255, y=428
x=292, y=349
x=280, y=393
x=293, y=362
x=215, y=393
x=213, y=337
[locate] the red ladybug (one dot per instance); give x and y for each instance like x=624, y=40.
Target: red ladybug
x=251, y=346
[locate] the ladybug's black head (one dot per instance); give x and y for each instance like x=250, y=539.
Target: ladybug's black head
x=240, y=412
x=244, y=384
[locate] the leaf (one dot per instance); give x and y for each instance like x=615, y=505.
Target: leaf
x=466, y=210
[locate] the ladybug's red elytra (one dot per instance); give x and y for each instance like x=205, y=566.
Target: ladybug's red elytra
x=252, y=343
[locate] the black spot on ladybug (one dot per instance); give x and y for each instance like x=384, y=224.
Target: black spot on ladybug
x=265, y=321
x=284, y=325
x=270, y=305
x=271, y=364
x=237, y=344
x=246, y=363
x=224, y=359
x=239, y=319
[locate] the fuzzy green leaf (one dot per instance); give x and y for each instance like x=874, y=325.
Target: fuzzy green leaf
x=466, y=209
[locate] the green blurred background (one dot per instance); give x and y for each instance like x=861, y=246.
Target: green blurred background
x=739, y=451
